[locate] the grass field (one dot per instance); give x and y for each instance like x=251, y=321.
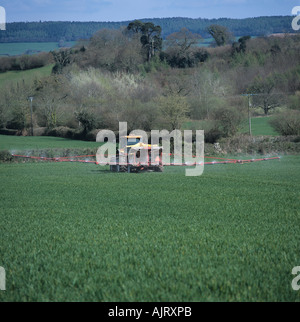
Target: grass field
x=14, y=49
x=259, y=126
x=76, y=232
x=12, y=77
x=8, y=142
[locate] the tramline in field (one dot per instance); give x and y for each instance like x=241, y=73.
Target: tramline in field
x=137, y=156
x=113, y=167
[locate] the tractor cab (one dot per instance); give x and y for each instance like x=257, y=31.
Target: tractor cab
x=135, y=160
x=133, y=140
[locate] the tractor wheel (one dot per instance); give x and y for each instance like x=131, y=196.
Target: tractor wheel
x=113, y=168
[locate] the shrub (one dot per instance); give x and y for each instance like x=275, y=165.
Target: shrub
x=294, y=102
x=87, y=121
x=24, y=62
x=92, y=135
x=62, y=132
x=287, y=122
x=212, y=135
x=5, y=156
x=17, y=122
x=191, y=58
x=8, y=132
x=39, y=131
x=228, y=121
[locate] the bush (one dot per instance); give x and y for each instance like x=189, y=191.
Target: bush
x=5, y=156
x=92, y=135
x=39, y=131
x=228, y=121
x=24, y=62
x=87, y=121
x=191, y=58
x=212, y=135
x=17, y=122
x=263, y=145
x=294, y=102
x=8, y=132
x=287, y=122
x=62, y=132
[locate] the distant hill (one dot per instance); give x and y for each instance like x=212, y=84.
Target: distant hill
x=72, y=31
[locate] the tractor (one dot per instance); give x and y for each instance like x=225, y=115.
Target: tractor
x=132, y=151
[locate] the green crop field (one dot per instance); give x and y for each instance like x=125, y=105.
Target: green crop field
x=13, y=77
x=77, y=232
x=20, y=143
x=15, y=49
x=259, y=126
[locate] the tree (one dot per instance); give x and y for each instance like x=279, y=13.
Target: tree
x=181, y=51
x=49, y=97
x=150, y=36
x=112, y=50
x=287, y=122
x=220, y=34
x=183, y=40
x=228, y=121
x=264, y=96
x=16, y=106
x=241, y=45
x=62, y=59
x=207, y=93
x=174, y=110
x=86, y=120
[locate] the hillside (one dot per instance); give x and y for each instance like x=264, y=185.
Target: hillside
x=13, y=77
x=116, y=76
x=72, y=31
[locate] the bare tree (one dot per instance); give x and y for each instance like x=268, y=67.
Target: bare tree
x=49, y=97
x=174, y=110
x=183, y=40
x=112, y=50
x=264, y=94
x=207, y=88
x=14, y=100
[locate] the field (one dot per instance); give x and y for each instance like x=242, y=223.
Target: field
x=76, y=232
x=15, y=49
x=43, y=142
x=259, y=126
x=12, y=77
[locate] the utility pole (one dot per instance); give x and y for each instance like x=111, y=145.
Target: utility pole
x=249, y=112
x=249, y=115
x=30, y=98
